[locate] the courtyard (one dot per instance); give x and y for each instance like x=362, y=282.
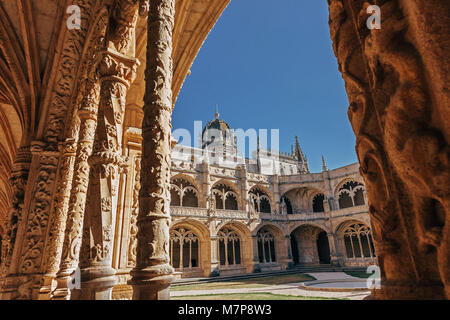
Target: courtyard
x=302, y=286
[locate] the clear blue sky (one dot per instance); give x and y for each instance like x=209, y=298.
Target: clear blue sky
x=270, y=64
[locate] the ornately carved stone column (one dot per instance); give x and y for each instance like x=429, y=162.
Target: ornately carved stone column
x=19, y=177
x=58, y=223
x=206, y=184
x=276, y=194
x=255, y=252
x=214, y=257
x=397, y=83
x=289, y=260
x=152, y=275
x=333, y=253
x=97, y=275
x=77, y=202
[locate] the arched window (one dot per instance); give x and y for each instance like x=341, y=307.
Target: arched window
x=266, y=247
x=351, y=194
x=183, y=194
x=286, y=206
x=225, y=197
x=184, y=247
x=358, y=241
x=318, y=203
x=359, y=196
x=260, y=200
x=229, y=247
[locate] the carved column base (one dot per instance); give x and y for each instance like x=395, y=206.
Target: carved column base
x=215, y=271
x=152, y=283
x=334, y=261
x=9, y=287
x=48, y=285
x=97, y=283
x=63, y=283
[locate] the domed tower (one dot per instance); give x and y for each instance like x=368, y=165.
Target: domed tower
x=218, y=137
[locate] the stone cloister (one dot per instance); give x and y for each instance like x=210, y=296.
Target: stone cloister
x=86, y=170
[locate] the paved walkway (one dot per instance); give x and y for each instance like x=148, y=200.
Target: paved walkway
x=291, y=289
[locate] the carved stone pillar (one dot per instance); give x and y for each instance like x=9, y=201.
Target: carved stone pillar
x=333, y=253
x=19, y=177
x=77, y=201
x=215, y=257
x=58, y=223
x=276, y=194
x=97, y=275
x=206, y=175
x=152, y=275
x=396, y=80
x=244, y=188
x=255, y=252
x=289, y=260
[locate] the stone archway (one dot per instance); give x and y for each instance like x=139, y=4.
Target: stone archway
x=323, y=248
x=310, y=245
x=191, y=258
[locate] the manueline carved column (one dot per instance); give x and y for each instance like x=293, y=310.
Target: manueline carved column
x=57, y=225
x=19, y=177
x=333, y=253
x=290, y=261
x=107, y=163
x=72, y=238
x=255, y=252
x=214, y=256
x=152, y=275
x=396, y=79
x=117, y=70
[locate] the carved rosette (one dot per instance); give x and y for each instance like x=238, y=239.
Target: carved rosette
x=153, y=273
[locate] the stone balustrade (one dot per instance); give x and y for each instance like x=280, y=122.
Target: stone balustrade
x=239, y=214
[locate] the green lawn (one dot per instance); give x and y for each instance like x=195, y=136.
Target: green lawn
x=358, y=274
x=251, y=296
x=259, y=282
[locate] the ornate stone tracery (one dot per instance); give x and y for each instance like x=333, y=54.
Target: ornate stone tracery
x=182, y=239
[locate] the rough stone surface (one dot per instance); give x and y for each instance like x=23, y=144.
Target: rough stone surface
x=71, y=107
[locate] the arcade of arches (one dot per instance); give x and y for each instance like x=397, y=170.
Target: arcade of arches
x=87, y=174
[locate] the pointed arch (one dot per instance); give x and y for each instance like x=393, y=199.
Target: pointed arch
x=261, y=199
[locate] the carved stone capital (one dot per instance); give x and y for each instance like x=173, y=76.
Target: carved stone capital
x=118, y=67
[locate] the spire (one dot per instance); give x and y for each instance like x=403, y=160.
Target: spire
x=298, y=150
x=324, y=165
x=217, y=115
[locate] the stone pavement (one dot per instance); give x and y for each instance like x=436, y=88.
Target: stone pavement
x=291, y=289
